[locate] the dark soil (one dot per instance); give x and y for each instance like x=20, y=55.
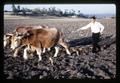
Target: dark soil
x=81, y=64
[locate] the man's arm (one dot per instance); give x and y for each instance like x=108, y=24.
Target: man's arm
x=85, y=27
x=101, y=28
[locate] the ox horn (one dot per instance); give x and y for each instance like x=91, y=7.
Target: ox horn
x=9, y=34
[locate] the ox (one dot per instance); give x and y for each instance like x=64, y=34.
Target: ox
x=19, y=31
x=7, y=39
x=38, y=39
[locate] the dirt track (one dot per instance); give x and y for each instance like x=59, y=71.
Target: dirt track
x=78, y=65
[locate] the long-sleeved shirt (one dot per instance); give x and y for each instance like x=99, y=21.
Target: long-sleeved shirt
x=96, y=27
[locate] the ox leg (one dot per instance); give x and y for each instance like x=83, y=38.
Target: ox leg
x=56, y=51
x=16, y=52
x=25, y=56
x=62, y=43
x=48, y=49
x=6, y=40
x=30, y=50
x=11, y=46
x=68, y=52
x=39, y=54
x=5, y=44
x=44, y=50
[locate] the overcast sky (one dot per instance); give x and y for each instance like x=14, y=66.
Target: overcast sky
x=84, y=8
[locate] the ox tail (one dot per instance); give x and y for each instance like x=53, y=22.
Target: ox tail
x=61, y=35
x=62, y=39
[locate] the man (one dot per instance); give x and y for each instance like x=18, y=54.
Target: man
x=96, y=29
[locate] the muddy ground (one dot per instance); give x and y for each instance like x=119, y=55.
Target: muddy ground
x=80, y=64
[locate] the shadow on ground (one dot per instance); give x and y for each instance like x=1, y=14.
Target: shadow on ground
x=81, y=41
x=88, y=40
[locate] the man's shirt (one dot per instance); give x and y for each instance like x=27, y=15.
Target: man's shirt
x=96, y=27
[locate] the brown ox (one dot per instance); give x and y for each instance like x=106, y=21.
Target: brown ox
x=21, y=30
x=38, y=39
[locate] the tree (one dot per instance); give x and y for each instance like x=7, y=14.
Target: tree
x=65, y=13
x=18, y=8
x=78, y=11
x=24, y=11
x=14, y=9
x=36, y=11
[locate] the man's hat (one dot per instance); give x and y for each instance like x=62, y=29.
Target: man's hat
x=93, y=17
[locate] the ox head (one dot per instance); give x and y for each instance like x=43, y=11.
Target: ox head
x=17, y=39
x=7, y=39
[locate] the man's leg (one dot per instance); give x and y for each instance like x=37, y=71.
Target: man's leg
x=95, y=37
x=98, y=39
x=93, y=43
x=98, y=47
x=94, y=48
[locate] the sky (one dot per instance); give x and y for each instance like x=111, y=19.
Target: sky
x=84, y=8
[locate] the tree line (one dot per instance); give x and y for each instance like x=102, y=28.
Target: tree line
x=52, y=11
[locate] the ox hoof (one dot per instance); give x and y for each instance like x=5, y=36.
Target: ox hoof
x=49, y=49
x=31, y=55
x=39, y=60
x=25, y=58
x=54, y=56
x=51, y=60
x=43, y=52
x=14, y=55
x=69, y=53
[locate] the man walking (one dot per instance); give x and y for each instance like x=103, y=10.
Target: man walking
x=96, y=29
